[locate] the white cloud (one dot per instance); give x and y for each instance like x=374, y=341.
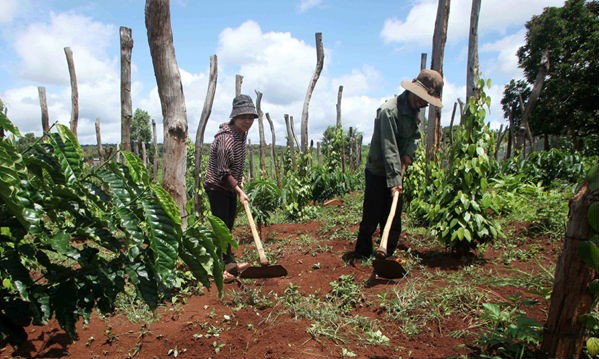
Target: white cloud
x=495, y=17
x=416, y=28
x=306, y=5
x=8, y=9
x=506, y=61
x=41, y=49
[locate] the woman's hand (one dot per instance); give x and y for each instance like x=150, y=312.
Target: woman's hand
x=242, y=196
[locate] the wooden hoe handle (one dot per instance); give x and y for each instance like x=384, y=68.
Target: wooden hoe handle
x=382, y=251
x=257, y=241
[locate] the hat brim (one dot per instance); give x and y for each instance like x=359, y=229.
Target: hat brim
x=243, y=112
x=422, y=93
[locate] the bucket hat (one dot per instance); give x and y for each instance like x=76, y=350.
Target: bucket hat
x=243, y=105
x=427, y=86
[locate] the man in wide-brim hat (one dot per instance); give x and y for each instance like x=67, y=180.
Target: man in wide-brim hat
x=392, y=146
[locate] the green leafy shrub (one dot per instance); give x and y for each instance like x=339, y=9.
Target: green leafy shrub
x=295, y=198
x=455, y=200
x=548, y=166
x=265, y=197
x=73, y=237
x=328, y=183
x=508, y=333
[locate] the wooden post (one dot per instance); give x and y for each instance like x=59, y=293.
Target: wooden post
x=351, y=149
x=144, y=154
x=155, y=149
x=434, y=113
x=273, y=153
x=172, y=100
x=534, y=95
x=126, y=106
x=455, y=104
x=290, y=135
x=238, y=82
x=422, y=112
x=99, y=140
x=472, y=72
x=318, y=152
x=564, y=333
x=338, y=106
x=206, y=111
x=251, y=161
x=261, y=133
x=74, y=91
x=44, y=106
x=315, y=76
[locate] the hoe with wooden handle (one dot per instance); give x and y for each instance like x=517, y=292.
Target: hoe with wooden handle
x=265, y=270
x=388, y=267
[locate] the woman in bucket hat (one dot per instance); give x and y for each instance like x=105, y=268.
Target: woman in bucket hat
x=393, y=144
x=225, y=172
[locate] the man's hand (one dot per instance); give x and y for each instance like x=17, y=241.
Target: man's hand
x=396, y=189
x=406, y=160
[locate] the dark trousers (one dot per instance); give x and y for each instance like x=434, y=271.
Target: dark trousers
x=224, y=206
x=377, y=204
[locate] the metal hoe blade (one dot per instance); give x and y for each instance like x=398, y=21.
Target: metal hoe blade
x=270, y=271
x=388, y=268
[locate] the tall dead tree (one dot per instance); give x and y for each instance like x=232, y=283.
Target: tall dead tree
x=99, y=140
x=74, y=91
x=44, y=106
x=472, y=73
x=564, y=332
x=261, y=132
x=534, y=95
x=338, y=106
x=155, y=149
x=126, y=106
x=315, y=76
x=172, y=100
x=273, y=154
x=206, y=111
x=434, y=113
x=290, y=135
x=422, y=112
x=238, y=82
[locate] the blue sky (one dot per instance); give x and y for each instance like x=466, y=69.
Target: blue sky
x=370, y=47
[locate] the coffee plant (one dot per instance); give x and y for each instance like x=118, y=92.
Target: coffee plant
x=72, y=237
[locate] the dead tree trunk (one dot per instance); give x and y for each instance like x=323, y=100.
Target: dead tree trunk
x=434, y=114
x=261, y=132
x=126, y=106
x=155, y=149
x=99, y=140
x=534, y=95
x=273, y=154
x=74, y=91
x=172, y=100
x=351, y=149
x=563, y=332
x=455, y=105
x=144, y=154
x=44, y=106
x=472, y=72
x=291, y=122
x=315, y=76
x=206, y=111
x=338, y=106
x=250, y=151
x=290, y=135
x=238, y=82
x=421, y=113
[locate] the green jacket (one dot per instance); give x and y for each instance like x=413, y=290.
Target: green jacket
x=395, y=134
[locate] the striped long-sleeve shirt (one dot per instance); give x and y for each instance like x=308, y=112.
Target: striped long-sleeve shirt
x=227, y=158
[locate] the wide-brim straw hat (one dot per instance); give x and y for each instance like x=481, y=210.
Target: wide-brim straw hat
x=243, y=105
x=427, y=86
